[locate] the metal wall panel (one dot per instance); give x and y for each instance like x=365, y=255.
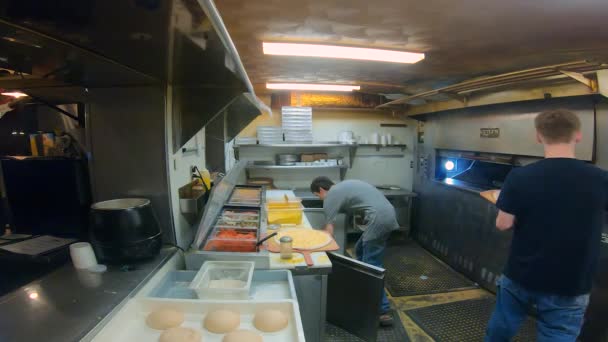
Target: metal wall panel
x=602, y=134
x=215, y=142
x=457, y=225
x=128, y=148
x=460, y=130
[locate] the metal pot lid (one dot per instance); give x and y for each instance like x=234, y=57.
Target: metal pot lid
x=121, y=204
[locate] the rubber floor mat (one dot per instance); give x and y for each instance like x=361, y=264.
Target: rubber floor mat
x=463, y=321
x=396, y=333
x=411, y=270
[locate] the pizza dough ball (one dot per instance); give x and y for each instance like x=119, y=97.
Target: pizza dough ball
x=180, y=334
x=164, y=319
x=270, y=320
x=243, y=336
x=222, y=321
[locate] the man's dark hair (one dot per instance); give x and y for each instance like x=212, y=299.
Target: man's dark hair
x=321, y=183
x=557, y=126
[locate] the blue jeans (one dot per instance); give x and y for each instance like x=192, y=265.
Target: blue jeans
x=372, y=252
x=559, y=317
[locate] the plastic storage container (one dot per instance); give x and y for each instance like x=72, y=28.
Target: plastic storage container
x=265, y=285
x=175, y=285
x=230, y=239
x=240, y=214
x=223, y=280
x=285, y=212
x=243, y=195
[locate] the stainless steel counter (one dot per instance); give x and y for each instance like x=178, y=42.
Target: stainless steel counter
x=398, y=193
x=66, y=304
x=307, y=195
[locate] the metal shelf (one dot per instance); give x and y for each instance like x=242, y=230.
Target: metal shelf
x=329, y=144
x=378, y=147
x=295, y=167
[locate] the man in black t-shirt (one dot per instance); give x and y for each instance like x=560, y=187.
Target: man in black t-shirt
x=556, y=209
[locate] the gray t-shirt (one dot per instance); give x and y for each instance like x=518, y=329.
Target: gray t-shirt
x=354, y=197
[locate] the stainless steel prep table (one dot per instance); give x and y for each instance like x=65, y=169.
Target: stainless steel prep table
x=66, y=304
x=310, y=281
x=401, y=199
x=307, y=195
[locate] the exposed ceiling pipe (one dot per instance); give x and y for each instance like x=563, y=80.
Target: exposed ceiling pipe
x=470, y=86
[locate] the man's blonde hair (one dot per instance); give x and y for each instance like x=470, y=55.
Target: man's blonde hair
x=557, y=126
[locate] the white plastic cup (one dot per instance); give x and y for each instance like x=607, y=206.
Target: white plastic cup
x=82, y=255
x=375, y=139
x=389, y=139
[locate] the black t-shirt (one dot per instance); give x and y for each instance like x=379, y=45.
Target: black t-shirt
x=559, y=206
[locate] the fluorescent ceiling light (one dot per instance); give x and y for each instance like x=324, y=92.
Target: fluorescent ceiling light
x=310, y=86
x=332, y=51
x=15, y=94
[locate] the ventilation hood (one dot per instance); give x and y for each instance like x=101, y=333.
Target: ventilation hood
x=182, y=44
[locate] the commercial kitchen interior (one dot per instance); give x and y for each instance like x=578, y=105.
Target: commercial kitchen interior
x=105, y=100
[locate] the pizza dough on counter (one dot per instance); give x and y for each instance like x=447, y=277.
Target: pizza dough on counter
x=306, y=239
x=164, y=319
x=243, y=336
x=180, y=334
x=222, y=321
x=270, y=320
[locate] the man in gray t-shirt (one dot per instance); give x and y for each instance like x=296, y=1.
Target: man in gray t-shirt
x=374, y=214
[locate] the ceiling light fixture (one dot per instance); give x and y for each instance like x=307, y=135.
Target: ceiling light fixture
x=332, y=51
x=15, y=94
x=310, y=86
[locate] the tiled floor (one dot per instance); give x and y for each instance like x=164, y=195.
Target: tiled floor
x=401, y=304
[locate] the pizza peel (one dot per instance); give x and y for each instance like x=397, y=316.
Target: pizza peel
x=273, y=246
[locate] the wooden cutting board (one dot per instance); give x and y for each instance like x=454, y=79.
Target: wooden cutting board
x=490, y=195
x=273, y=246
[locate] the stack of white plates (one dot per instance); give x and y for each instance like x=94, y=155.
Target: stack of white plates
x=297, y=124
x=245, y=140
x=270, y=135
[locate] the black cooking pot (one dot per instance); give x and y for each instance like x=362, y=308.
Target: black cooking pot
x=124, y=230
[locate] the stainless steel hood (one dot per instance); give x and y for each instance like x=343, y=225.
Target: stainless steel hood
x=240, y=112
x=508, y=131
x=89, y=44
x=39, y=61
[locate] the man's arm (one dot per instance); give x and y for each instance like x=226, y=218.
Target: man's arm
x=504, y=221
x=331, y=208
x=509, y=202
x=329, y=228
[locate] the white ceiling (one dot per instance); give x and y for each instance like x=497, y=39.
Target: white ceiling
x=462, y=39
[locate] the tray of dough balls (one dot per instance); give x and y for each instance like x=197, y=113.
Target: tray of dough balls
x=165, y=320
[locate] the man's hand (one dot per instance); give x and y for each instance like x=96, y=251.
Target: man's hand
x=329, y=228
x=504, y=221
